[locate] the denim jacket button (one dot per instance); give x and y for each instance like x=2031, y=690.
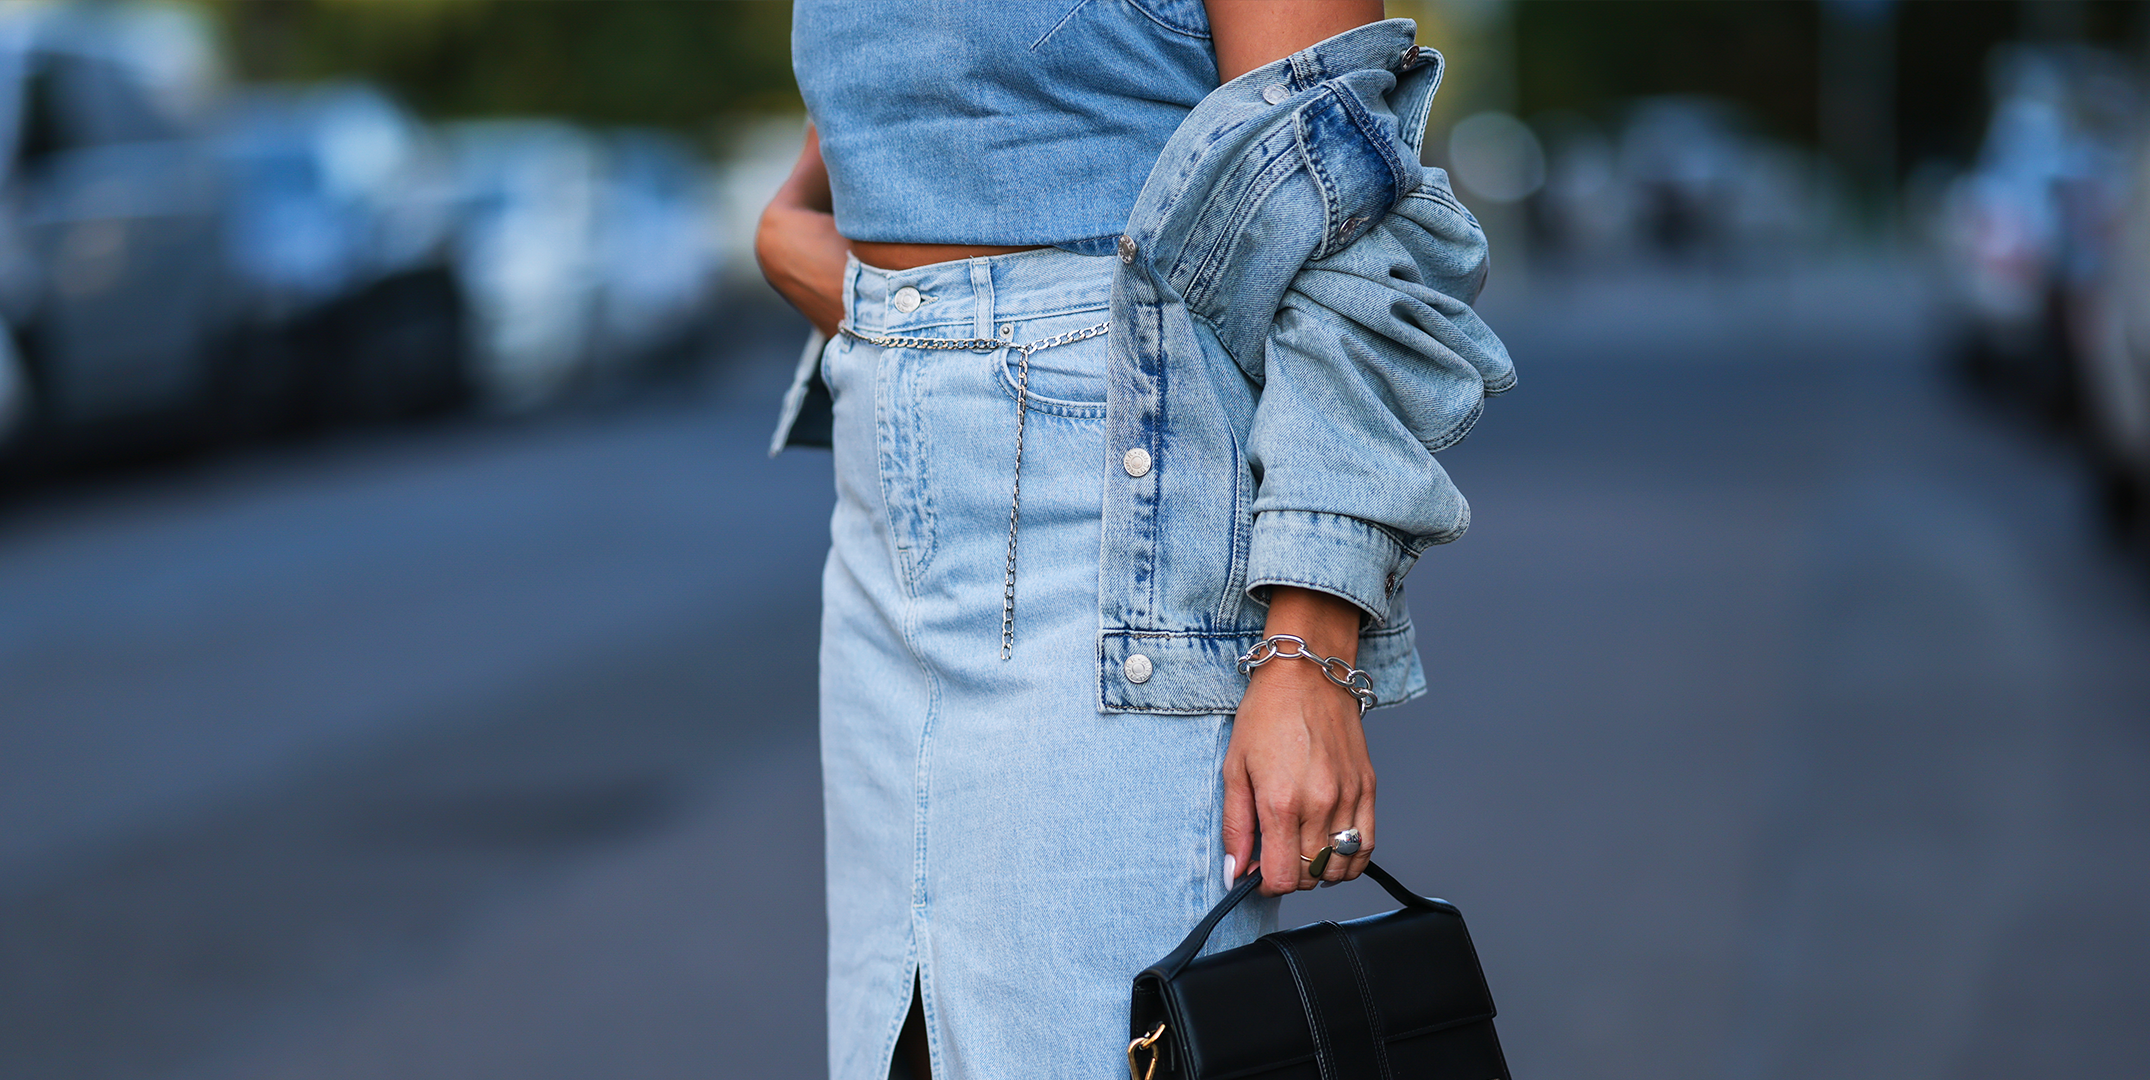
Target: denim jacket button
x=1276, y=93
x=1128, y=250
x=1137, y=668
x=907, y=299
x=1136, y=462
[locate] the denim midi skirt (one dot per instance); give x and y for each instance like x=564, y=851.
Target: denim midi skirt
x=992, y=835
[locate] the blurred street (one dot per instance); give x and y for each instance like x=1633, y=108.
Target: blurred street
x=1788, y=723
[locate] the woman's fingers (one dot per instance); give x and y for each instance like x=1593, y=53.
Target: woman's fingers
x=1314, y=839
x=1359, y=816
x=1281, y=868
x=1353, y=808
x=1240, y=824
x=1362, y=819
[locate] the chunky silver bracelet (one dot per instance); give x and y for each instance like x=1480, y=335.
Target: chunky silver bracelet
x=1358, y=683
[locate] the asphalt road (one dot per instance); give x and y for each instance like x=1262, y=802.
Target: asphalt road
x=1789, y=722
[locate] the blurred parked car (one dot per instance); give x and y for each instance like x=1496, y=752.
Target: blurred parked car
x=2028, y=224
x=1683, y=177
x=338, y=234
x=2111, y=332
x=581, y=256
x=527, y=194
x=659, y=251
x=111, y=267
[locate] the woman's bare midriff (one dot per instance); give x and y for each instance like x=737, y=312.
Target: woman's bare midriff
x=911, y=256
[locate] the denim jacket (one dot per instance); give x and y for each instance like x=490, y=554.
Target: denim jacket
x=1292, y=341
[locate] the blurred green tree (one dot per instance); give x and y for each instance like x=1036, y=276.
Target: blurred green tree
x=675, y=64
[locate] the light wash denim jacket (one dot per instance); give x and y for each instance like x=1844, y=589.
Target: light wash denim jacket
x=1292, y=341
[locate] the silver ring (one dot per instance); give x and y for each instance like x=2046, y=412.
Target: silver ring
x=1347, y=841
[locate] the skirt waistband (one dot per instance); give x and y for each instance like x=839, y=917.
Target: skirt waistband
x=971, y=298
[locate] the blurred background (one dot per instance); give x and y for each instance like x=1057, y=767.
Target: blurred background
x=407, y=648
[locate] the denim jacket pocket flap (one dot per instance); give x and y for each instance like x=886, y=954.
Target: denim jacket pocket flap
x=1357, y=160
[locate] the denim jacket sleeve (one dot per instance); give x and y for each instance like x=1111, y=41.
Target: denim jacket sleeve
x=1373, y=363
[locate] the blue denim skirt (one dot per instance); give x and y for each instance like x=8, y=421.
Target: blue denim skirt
x=991, y=834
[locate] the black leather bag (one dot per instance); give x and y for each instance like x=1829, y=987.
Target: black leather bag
x=1395, y=996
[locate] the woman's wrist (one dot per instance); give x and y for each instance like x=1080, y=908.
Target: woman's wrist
x=1328, y=623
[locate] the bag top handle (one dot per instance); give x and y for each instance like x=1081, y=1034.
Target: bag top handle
x=1170, y=966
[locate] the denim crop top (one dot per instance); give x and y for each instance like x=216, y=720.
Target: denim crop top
x=1002, y=122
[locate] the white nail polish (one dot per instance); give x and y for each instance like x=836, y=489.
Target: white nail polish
x=1231, y=870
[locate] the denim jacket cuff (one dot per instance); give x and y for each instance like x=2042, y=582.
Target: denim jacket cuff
x=1331, y=553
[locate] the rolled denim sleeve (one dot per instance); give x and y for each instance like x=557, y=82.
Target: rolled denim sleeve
x=1374, y=362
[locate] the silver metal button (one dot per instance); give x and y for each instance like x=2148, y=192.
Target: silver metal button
x=1276, y=93
x=1128, y=250
x=1138, y=668
x=1007, y=331
x=1136, y=462
x=907, y=299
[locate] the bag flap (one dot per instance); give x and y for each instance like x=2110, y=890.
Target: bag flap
x=1239, y=1012
x=1422, y=969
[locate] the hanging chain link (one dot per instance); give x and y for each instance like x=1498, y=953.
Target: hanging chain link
x=1022, y=410
x=1358, y=683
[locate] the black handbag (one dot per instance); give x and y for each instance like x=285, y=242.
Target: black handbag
x=1395, y=996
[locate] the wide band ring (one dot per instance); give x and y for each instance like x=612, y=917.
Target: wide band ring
x=1347, y=842
x=1318, y=863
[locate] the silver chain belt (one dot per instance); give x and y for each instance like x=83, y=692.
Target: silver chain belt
x=1022, y=408
x=1358, y=683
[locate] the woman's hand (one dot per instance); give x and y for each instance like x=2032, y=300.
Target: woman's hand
x=797, y=244
x=1297, y=770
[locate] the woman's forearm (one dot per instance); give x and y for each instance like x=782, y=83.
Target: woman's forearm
x=1329, y=623
x=1296, y=771
x=800, y=252
x=1250, y=33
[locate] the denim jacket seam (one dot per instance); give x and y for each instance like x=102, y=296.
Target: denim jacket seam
x=1375, y=617
x=1160, y=422
x=1307, y=67
x=1232, y=598
x=1333, y=240
x=1218, y=329
x=1208, y=270
x=1137, y=634
x=1385, y=631
x=1405, y=542
x=1331, y=201
x=1459, y=430
x=1381, y=140
x=1439, y=198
